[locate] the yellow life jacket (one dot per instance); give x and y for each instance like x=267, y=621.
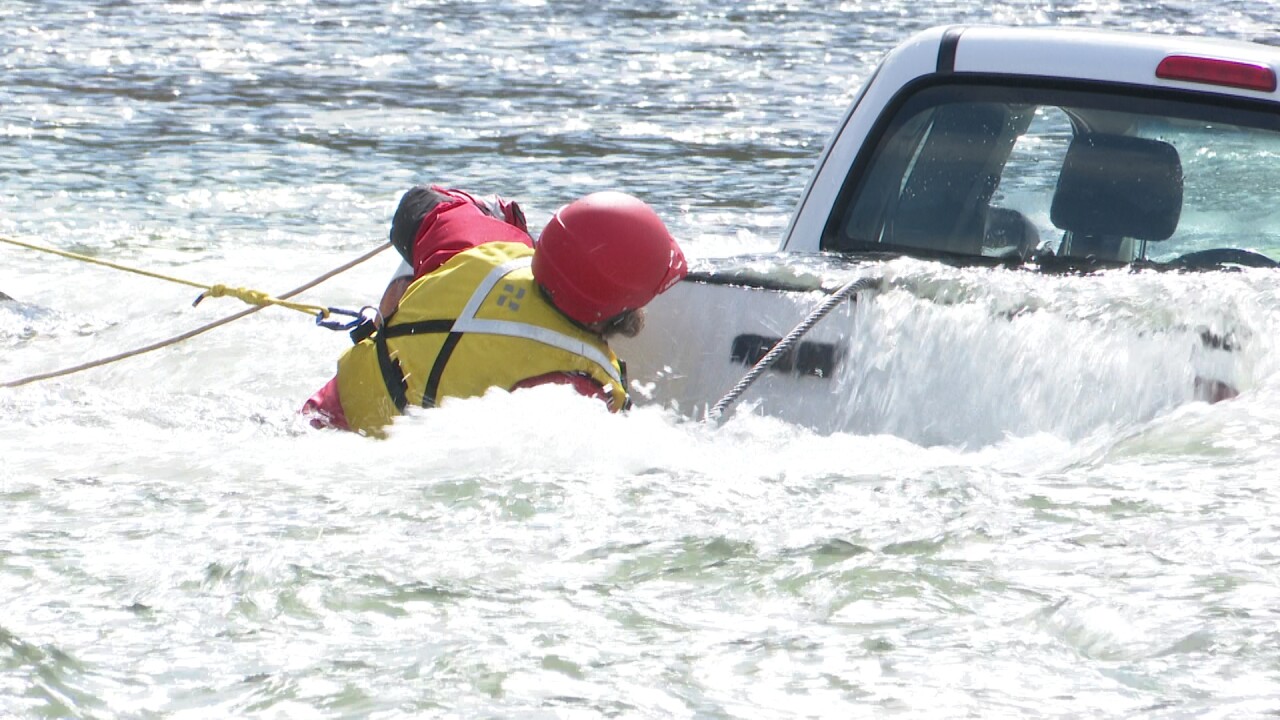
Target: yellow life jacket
x=477, y=322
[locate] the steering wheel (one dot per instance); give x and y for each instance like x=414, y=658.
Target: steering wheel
x=1218, y=257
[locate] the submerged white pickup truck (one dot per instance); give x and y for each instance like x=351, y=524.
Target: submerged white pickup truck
x=1020, y=192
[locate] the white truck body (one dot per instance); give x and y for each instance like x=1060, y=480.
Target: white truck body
x=981, y=139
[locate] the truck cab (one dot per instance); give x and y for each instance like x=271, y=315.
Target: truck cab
x=1060, y=146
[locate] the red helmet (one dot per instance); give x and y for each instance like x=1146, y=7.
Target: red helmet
x=604, y=254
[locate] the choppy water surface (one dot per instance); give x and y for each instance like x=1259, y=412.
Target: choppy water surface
x=176, y=543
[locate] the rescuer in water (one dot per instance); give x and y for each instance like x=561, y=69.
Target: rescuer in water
x=482, y=305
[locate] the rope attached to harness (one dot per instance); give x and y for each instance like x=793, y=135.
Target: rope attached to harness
x=716, y=414
x=362, y=318
x=247, y=295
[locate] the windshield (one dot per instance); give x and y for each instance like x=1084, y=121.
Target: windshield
x=1111, y=175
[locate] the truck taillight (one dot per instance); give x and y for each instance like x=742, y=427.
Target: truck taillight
x=1213, y=71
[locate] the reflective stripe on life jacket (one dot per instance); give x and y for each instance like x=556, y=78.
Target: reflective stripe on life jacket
x=479, y=321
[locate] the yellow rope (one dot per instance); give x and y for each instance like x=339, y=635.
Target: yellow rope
x=95, y=261
x=259, y=298
x=252, y=297
x=191, y=333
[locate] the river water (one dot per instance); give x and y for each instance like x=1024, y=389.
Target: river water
x=176, y=543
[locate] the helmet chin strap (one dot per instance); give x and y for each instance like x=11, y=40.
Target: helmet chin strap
x=627, y=323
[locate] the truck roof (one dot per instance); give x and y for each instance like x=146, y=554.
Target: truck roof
x=1090, y=54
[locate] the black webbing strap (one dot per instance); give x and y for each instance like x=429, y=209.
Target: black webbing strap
x=417, y=328
x=437, y=370
x=622, y=375
x=393, y=376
